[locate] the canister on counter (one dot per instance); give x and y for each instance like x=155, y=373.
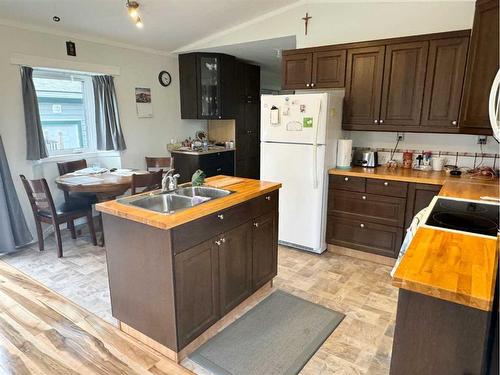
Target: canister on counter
x=407, y=159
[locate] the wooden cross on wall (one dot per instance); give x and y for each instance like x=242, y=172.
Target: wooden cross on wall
x=306, y=21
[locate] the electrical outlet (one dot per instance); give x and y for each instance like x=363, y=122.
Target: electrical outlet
x=481, y=139
x=400, y=137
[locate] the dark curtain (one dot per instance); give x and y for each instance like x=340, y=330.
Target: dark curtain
x=35, y=143
x=107, y=118
x=13, y=229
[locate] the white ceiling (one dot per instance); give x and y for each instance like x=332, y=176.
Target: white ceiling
x=168, y=24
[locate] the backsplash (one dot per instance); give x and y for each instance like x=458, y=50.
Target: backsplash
x=461, y=159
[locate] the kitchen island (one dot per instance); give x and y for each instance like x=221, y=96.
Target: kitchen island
x=174, y=277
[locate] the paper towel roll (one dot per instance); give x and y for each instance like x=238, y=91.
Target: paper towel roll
x=344, y=153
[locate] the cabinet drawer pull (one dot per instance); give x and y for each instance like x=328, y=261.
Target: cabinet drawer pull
x=375, y=121
x=217, y=242
x=454, y=122
x=346, y=178
x=220, y=216
x=223, y=240
x=381, y=121
x=386, y=183
x=364, y=197
x=268, y=198
x=308, y=85
x=312, y=84
x=256, y=225
x=219, y=169
x=362, y=225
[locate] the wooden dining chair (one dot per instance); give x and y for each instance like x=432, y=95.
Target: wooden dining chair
x=153, y=163
x=44, y=210
x=148, y=181
x=66, y=167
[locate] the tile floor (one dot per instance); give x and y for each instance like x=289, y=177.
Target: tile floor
x=360, y=289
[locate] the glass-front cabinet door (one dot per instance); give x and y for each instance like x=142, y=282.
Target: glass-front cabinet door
x=209, y=87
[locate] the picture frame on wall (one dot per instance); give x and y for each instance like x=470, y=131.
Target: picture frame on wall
x=143, y=103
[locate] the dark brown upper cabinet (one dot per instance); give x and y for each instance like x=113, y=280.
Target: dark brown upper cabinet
x=296, y=71
x=325, y=69
x=482, y=65
x=206, y=85
x=403, y=87
x=444, y=82
x=365, y=69
x=328, y=69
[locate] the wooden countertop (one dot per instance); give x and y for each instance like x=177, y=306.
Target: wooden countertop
x=244, y=189
x=455, y=267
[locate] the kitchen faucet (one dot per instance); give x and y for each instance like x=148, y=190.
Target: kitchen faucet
x=169, y=181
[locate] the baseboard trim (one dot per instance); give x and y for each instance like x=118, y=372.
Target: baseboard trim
x=379, y=259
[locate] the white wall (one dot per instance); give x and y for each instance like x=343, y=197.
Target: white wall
x=138, y=69
x=334, y=23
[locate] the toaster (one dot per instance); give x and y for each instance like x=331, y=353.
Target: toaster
x=365, y=158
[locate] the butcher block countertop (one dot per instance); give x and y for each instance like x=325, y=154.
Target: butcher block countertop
x=244, y=189
x=455, y=267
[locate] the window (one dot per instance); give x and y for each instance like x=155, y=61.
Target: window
x=66, y=106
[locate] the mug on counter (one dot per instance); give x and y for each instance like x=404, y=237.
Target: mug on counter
x=437, y=163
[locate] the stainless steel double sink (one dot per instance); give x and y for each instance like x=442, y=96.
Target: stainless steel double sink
x=179, y=199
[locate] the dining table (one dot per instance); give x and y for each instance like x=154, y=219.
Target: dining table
x=106, y=185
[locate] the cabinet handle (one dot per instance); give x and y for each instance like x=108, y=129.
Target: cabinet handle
x=268, y=198
x=308, y=85
x=375, y=121
x=346, y=178
x=381, y=121
x=364, y=197
x=386, y=183
x=256, y=225
x=312, y=84
x=361, y=225
x=220, y=216
x=454, y=122
x=219, y=169
x=217, y=242
x=223, y=240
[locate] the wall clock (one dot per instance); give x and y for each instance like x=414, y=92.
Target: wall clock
x=165, y=78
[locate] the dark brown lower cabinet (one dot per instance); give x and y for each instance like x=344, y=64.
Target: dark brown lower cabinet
x=235, y=266
x=265, y=249
x=433, y=336
x=197, y=285
x=419, y=197
x=365, y=236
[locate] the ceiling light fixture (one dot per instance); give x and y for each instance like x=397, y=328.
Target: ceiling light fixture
x=138, y=22
x=133, y=9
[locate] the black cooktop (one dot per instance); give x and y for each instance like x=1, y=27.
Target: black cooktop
x=473, y=217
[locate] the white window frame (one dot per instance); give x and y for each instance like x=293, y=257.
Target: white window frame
x=88, y=103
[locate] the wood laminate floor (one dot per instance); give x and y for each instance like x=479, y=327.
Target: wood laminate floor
x=360, y=289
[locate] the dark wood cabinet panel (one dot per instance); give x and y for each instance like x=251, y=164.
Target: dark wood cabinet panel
x=212, y=164
x=248, y=121
x=328, y=69
x=419, y=197
x=365, y=68
x=365, y=236
x=482, y=65
x=369, y=207
x=206, y=85
x=235, y=266
x=265, y=249
x=296, y=71
x=403, y=87
x=348, y=183
x=386, y=187
x=444, y=82
x=196, y=273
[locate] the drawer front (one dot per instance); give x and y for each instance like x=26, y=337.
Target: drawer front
x=387, y=187
x=190, y=234
x=369, y=207
x=365, y=236
x=265, y=203
x=347, y=183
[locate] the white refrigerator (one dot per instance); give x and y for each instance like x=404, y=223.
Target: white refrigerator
x=299, y=136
